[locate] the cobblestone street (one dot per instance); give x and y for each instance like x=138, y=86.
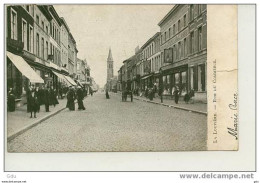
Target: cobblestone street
x=112, y=125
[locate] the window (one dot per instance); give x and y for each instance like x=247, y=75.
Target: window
x=42, y=25
x=179, y=50
x=13, y=25
x=37, y=45
x=169, y=32
x=191, y=12
x=42, y=48
x=174, y=29
x=47, y=50
x=24, y=34
x=47, y=30
x=164, y=36
x=201, y=78
x=192, y=42
x=161, y=39
x=200, y=38
x=37, y=19
x=174, y=53
x=199, y=9
x=179, y=25
x=28, y=8
x=31, y=39
x=184, y=20
x=185, y=48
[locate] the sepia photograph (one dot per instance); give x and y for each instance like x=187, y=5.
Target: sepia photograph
x=116, y=78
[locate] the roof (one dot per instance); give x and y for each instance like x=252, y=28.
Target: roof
x=150, y=40
x=45, y=11
x=54, y=14
x=168, y=14
x=65, y=24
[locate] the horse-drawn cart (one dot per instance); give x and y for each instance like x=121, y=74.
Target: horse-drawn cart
x=125, y=94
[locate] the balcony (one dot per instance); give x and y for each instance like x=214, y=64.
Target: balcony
x=16, y=45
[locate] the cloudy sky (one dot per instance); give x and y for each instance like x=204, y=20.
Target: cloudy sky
x=121, y=27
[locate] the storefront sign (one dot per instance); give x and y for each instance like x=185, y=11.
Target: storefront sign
x=168, y=57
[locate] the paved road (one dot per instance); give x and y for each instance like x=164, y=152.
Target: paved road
x=112, y=125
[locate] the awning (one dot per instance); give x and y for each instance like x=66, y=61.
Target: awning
x=62, y=77
x=24, y=68
x=70, y=80
x=147, y=76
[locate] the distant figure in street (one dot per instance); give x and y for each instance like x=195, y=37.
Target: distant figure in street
x=70, y=99
x=47, y=99
x=107, y=95
x=80, y=97
x=60, y=93
x=91, y=91
x=146, y=92
x=33, y=103
x=176, y=95
x=11, y=100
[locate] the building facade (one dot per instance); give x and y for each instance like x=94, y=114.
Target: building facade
x=184, y=50
x=64, y=37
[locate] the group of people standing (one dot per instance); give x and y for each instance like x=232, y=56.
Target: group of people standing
x=40, y=96
x=72, y=95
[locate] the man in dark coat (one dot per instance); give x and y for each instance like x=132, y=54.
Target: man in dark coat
x=107, y=95
x=28, y=93
x=47, y=99
x=33, y=103
x=53, y=97
x=11, y=100
x=71, y=98
x=80, y=97
x=176, y=95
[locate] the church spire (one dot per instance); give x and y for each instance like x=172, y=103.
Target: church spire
x=110, y=58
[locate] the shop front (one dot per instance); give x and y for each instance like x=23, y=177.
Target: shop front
x=20, y=75
x=175, y=78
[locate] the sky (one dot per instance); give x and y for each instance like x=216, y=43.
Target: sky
x=96, y=28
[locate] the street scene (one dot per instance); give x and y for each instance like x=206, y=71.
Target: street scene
x=106, y=82
x=112, y=125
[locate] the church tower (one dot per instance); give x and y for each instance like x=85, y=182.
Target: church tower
x=110, y=66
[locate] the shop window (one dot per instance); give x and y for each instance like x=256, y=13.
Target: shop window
x=201, y=77
x=183, y=83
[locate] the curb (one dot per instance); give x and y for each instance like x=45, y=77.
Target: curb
x=176, y=107
x=28, y=127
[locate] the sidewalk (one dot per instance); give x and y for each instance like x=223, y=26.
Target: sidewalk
x=20, y=121
x=200, y=108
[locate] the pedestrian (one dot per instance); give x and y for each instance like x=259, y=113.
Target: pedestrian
x=146, y=92
x=80, y=97
x=107, y=94
x=11, y=100
x=28, y=94
x=70, y=99
x=37, y=94
x=53, y=97
x=91, y=91
x=33, y=103
x=176, y=95
x=60, y=92
x=47, y=98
